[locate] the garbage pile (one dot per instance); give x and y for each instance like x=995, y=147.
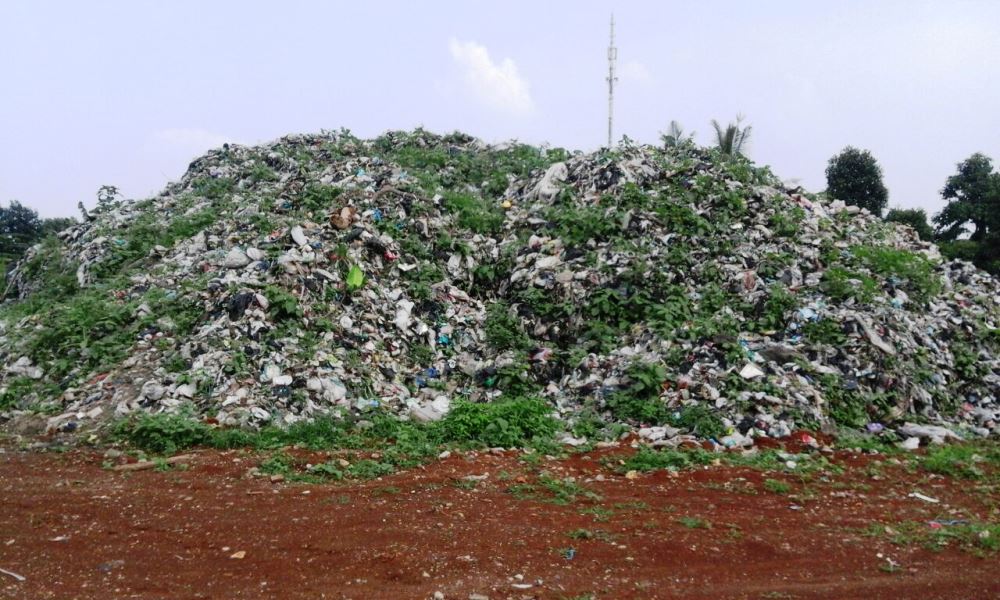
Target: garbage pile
x=674, y=290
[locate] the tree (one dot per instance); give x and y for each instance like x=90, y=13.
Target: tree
x=19, y=229
x=855, y=177
x=974, y=194
x=974, y=198
x=915, y=218
x=734, y=139
x=675, y=136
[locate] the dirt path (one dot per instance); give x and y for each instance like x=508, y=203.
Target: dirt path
x=74, y=529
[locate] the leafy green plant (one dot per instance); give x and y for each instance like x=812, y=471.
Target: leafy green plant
x=15, y=391
x=824, y=331
x=474, y=214
x=506, y=423
x=88, y=331
x=964, y=461
x=699, y=419
x=553, y=490
x=774, y=311
x=355, y=278
x=503, y=329
x=576, y=225
x=840, y=284
x=640, y=401
x=316, y=196
x=164, y=433
x=213, y=187
x=261, y=172
x=283, y=306
x=914, y=272
x=787, y=224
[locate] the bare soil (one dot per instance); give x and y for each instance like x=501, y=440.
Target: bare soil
x=73, y=528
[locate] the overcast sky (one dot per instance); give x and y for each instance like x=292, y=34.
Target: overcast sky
x=127, y=93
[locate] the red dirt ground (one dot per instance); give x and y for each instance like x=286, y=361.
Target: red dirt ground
x=74, y=529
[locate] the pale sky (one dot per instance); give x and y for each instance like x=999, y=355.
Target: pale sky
x=127, y=93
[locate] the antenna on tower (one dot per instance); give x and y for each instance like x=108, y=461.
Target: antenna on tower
x=612, y=57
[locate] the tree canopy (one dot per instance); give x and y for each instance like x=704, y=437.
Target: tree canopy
x=20, y=228
x=855, y=177
x=973, y=195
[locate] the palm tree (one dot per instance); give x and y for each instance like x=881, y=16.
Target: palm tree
x=733, y=139
x=675, y=136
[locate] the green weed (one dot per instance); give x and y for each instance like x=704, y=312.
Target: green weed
x=695, y=523
x=777, y=487
x=506, y=423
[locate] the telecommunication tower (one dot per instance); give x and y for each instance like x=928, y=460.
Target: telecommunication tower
x=612, y=57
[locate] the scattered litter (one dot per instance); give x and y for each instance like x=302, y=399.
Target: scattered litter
x=143, y=465
x=13, y=574
x=939, y=523
x=920, y=496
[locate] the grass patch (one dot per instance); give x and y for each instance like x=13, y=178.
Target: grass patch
x=962, y=461
x=777, y=487
x=647, y=459
x=976, y=537
x=554, y=491
x=695, y=523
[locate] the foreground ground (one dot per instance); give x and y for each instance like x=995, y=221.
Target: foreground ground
x=501, y=525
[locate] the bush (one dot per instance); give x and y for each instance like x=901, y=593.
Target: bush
x=915, y=271
x=915, y=218
x=506, y=423
x=503, y=329
x=474, y=214
x=840, y=284
x=164, y=434
x=700, y=420
x=577, y=225
x=640, y=401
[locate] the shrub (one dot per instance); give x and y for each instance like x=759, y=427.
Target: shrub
x=700, y=419
x=503, y=329
x=640, y=401
x=576, y=225
x=164, y=434
x=474, y=214
x=840, y=284
x=915, y=271
x=506, y=423
x=915, y=218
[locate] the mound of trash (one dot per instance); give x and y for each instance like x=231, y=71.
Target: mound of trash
x=675, y=290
